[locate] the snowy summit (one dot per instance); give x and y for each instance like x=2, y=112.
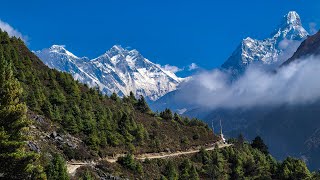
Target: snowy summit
x=118, y=70
x=270, y=50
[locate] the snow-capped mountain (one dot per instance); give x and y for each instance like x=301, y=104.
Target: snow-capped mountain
x=271, y=50
x=57, y=57
x=118, y=70
x=122, y=71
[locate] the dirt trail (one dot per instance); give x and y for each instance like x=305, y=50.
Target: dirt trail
x=166, y=155
x=73, y=166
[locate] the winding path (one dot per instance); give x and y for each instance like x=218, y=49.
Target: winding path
x=73, y=166
x=166, y=155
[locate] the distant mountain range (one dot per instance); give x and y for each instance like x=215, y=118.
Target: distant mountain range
x=289, y=130
x=121, y=70
x=271, y=52
x=118, y=70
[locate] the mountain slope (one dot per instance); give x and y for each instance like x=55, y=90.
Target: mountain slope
x=80, y=123
x=310, y=46
x=269, y=53
x=118, y=70
x=72, y=121
x=271, y=50
x=288, y=129
x=296, y=125
x=57, y=57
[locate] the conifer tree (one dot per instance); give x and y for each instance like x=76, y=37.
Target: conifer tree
x=172, y=172
x=240, y=141
x=258, y=143
x=176, y=117
x=57, y=169
x=132, y=98
x=142, y=105
x=166, y=114
x=186, y=165
x=87, y=176
x=16, y=162
x=194, y=174
x=293, y=169
x=114, y=97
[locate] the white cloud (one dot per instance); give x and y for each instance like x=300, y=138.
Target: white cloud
x=295, y=83
x=313, y=28
x=288, y=48
x=170, y=68
x=11, y=31
x=193, y=66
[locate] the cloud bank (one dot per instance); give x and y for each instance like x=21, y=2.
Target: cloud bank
x=11, y=31
x=297, y=83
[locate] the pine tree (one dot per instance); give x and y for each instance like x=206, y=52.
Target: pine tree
x=258, y=143
x=142, y=105
x=128, y=162
x=176, y=117
x=218, y=165
x=240, y=141
x=57, y=169
x=132, y=98
x=166, y=114
x=185, y=166
x=87, y=176
x=172, y=172
x=194, y=174
x=114, y=97
x=293, y=169
x=16, y=162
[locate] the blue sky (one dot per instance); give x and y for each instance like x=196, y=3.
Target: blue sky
x=177, y=32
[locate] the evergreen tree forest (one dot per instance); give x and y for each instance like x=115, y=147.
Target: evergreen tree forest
x=235, y=162
x=107, y=125
x=16, y=162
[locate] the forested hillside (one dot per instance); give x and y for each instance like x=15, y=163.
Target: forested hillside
x=241, y=161
x=104, y=125
x=47, y=118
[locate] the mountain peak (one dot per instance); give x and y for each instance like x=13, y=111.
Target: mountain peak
x=61, y=49
x=291, y=28
x=58, y=48
x=267, y=51
x=117, y=48
x=119, y=70
x=292, y=18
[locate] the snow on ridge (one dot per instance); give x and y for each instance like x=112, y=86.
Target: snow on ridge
x=61, y=49
x=117, y=70
x=293, y=18
x=267, y=51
